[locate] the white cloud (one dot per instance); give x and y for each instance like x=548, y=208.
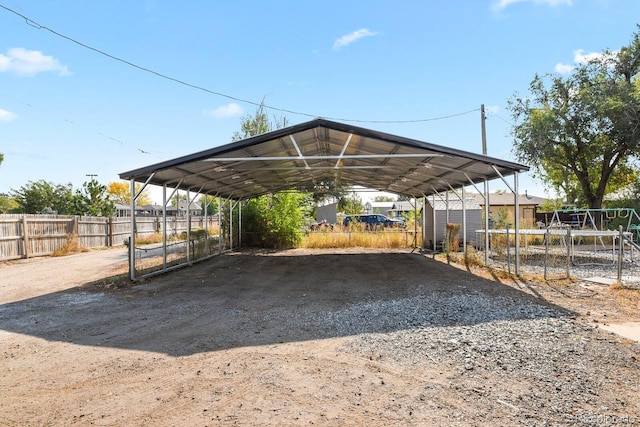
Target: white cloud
x=350, y=38
x=503, y=4
x=563, y=68
x=30, y=62
x=225, y=111
x=581, y=58
x=7, y=116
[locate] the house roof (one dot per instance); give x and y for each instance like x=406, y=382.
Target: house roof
x=406, y=206
x=507, y=199
x=455, y=204
x=321, y=151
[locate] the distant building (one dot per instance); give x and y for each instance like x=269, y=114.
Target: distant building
x=156, y=210
x=378, y=207
x=528, y=204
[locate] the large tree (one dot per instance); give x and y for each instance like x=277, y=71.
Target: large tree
x=120, y=192
x=93, y=200
x=43, y=197
x=581, y=133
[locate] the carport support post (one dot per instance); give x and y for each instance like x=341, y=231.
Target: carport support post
x=486, y=223
x=164, y=226
x=517, y=222
x=230, y=225
x=188, y=225
x=464, y=225
x=433, y=212
x=219, y=224
x=132, y=237
x=240, y=223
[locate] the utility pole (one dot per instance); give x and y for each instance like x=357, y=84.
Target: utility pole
x=484, y=130
x=486, y=189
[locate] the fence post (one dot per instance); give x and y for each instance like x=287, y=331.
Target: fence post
x=110, y=232
x=25, y=237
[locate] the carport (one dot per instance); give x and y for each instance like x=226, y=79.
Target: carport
x=320, y=151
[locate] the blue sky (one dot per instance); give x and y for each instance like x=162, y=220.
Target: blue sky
x=67, y=111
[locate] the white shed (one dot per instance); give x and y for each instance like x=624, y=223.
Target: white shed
x=473, y=219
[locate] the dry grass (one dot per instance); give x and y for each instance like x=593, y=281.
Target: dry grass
x=626, y=296
x=362, y=239
x=72, y=246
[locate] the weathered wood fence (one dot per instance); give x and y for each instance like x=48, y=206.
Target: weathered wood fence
x=25, y=236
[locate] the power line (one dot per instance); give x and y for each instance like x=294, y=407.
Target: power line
x=38, y=26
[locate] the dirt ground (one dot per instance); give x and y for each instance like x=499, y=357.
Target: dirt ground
x=263, y=338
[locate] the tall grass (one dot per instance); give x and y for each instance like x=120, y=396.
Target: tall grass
x=364, y=239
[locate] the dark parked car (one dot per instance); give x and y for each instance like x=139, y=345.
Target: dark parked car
x=373, y=221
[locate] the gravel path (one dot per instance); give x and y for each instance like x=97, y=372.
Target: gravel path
x=335, y=338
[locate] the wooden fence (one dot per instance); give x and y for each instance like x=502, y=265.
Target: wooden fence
x=25, y=236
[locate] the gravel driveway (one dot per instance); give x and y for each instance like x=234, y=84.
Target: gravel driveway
x=312, y=337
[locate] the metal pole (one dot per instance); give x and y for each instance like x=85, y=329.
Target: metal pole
x=219, y=224
x=569, y=245
x=464, y=224
x=508, y=251
x=620, y=254
x=486, y=222
x=517, y=222
x=188, y=225
x=132, y=237
x=435, y=235
x=164, y=226
x=240, y=223
x=230, y=225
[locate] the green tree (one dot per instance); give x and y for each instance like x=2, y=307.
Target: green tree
x=582, y=133
x=258, y=123
x=93, y=200
x=323, y=191
x=210, y=204
x=1, y=158
x=274, y=220
x=43, y=197
x=8, y=204
x=351, y=204
x=177, y=198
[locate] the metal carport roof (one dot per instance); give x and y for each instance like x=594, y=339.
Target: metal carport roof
x=320, y=151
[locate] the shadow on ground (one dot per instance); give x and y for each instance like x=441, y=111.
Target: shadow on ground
x=242, y=299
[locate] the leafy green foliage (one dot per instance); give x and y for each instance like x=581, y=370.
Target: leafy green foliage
x=274, y=220
x=8, y=204
x=257, y=124
x=92, y=200
x=43, y=197
x=322, y=191
x=351, y=204
x=210, y=204
x=582, y=133
x=550, y=205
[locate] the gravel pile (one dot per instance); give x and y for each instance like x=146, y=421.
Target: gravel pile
x=531, y=359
